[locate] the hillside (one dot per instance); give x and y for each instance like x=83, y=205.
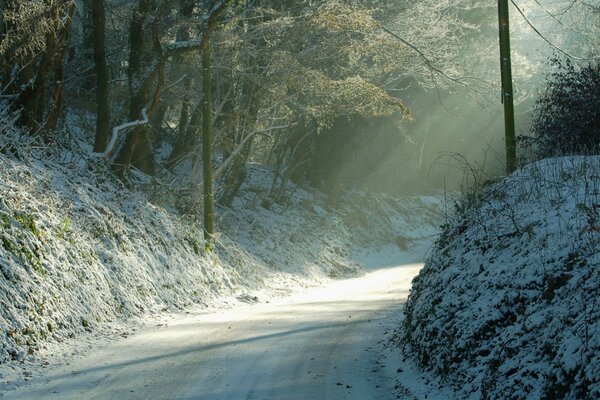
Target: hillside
x=506, y=306
x=82, y=255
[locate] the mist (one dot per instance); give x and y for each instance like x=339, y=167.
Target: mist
x=457, y=132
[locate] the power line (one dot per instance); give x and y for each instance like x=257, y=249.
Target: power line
x=542, y=36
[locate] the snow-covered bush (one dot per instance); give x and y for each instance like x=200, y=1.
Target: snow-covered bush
x=508, y=304
x=567, y=113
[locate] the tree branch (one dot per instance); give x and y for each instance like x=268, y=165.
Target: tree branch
x=241, y=145
x=542, y=36
x=428, y=62
x=126, y=125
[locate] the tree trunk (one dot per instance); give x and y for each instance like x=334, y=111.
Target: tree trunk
x=156, y=123
x=123, y=160
x=88, y=39
x=138, y=93
x=236, y=176
x=56, y=99
x=59, y=75
x=32, y=97
x=206, y=143
x=101, y=68
x=189, y=125
x=140, y=87
x=207, y=106
x=186, y=140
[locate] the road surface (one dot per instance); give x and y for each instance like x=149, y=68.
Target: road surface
x=322, y=344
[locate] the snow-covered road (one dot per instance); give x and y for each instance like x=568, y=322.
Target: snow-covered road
x=321, y=344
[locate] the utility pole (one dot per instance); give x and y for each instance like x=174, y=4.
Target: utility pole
x=507, y=87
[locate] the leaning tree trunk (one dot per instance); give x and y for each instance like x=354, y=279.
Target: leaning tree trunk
x=236, y=176
x=241, y=147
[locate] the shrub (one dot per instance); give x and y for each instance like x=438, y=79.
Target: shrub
x=567, y=114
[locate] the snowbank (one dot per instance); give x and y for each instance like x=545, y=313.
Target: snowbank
x=79, y=252
x=507, y=305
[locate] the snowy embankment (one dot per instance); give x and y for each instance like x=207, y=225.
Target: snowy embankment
x=508, y=304
x=80, y=252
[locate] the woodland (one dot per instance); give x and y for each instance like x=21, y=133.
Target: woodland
x=186, y=93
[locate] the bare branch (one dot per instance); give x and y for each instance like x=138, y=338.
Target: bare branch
x=241, y=145
x=542, y=36
x=126, y=125
x=428, y=62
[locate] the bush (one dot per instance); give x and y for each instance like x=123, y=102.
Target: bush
x=567, y=114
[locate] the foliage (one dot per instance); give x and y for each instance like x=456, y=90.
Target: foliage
x=567, y=113
x=34, y=36
x=284, y=73
x=28, y=25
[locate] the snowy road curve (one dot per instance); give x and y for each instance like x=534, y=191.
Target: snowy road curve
x=317, y=345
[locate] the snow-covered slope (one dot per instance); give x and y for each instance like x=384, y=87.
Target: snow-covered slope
x=80, y=252
x=508, y=304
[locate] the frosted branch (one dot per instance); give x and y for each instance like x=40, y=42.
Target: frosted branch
x=126, y=125
x=241, y=145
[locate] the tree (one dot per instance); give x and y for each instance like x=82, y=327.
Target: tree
x=141, y=79
x=101, y=68
x=207, y=104
x=297, y=71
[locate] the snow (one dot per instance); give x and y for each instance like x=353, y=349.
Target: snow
x=85, y=261
x=507, y=304
x=319, y=343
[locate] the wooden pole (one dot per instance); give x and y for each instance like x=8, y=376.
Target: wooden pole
x=507, y=87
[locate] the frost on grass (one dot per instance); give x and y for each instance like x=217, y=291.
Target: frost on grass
x=78, y=250
x=507, y=306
